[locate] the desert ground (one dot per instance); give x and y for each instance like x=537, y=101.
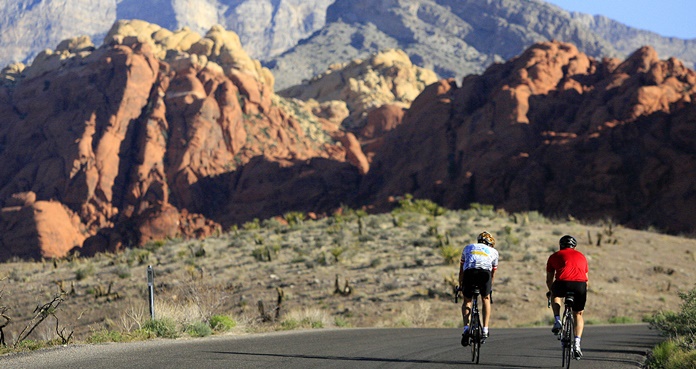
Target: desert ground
x=348, y=270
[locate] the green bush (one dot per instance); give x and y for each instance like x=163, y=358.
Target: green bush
x=289, y=324
x=199, y=329
x=680, y=325
x=679, y=350
x=668, y=355
x=222, y=323
x=165, y=328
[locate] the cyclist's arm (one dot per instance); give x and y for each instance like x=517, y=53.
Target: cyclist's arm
x=549, y=279
x=461, y=274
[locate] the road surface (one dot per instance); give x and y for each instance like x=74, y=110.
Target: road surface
x=610, y=346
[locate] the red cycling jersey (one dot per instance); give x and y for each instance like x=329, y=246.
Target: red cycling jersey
x=569, y=265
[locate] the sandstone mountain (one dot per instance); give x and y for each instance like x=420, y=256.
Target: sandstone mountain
x=159, y=134
x=298, y=39
x=553, y=130
x=103, y=148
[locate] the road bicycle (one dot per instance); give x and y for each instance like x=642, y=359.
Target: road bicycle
x=567, y=333
x=475, y=329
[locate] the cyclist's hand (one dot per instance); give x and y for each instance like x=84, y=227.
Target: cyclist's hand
x=548, y=294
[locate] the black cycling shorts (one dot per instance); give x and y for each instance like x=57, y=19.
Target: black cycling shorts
x=579, y=289
x=477, y=277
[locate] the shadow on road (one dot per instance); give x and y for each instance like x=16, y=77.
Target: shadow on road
x=369, y=359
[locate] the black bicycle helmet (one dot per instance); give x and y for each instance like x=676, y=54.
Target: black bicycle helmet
x=567, y=241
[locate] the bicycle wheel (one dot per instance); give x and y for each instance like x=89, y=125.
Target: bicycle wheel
x=567, y=339
x=476, y=333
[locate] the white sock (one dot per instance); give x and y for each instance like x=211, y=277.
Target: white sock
x=577, y=341
x=485, y=330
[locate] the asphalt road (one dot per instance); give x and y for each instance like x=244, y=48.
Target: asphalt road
x=609, y=347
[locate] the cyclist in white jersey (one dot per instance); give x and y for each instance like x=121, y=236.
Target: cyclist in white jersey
x=477, y=268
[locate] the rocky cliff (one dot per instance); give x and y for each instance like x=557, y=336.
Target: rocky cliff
x=553, y=130
x=119, y=145
x=158, y=134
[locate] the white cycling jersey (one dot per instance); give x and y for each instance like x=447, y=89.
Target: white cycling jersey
x=479, y=256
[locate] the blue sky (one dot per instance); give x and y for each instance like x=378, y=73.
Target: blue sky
x=671, y=18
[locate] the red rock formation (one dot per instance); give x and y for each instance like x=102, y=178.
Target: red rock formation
x=37, y=229
x=129, y=142
x=555, y=131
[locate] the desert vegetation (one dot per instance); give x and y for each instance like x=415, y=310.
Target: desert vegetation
x=350, y=269
x=679, y=349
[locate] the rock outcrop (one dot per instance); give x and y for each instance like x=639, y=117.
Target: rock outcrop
x=556, y=131
x=125, y=137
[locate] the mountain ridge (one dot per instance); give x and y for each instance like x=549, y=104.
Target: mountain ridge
x=279, y=33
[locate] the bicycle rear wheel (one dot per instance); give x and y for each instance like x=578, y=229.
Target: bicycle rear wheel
x=568, y=339
x=477, y=343
x=476, y=334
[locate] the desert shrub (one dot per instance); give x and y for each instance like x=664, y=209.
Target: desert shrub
x=304, y=318
x=450, y=253
x=336, y=252
x=222, y=323
x=294, y=218
x=255, y=224
x=198, y=329
x=123, y=271
x=154, y=245
x=105, y=335
x=86, y=271
x=421, y=206
x=680, y=325
x=165, y=327
x=341, y=322
x=138, y=256
x=289, y=324
x=621, y=320
x=669, y=355
x=679, y=350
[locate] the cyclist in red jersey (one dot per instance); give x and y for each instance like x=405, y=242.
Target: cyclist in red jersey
x=567, y=271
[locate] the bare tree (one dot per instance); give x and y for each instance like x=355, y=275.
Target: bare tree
x=41, y=313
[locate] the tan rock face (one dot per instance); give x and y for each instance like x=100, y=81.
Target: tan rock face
x=554, y=131
x=388, y=77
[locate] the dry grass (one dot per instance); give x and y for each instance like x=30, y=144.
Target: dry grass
x=398, y=268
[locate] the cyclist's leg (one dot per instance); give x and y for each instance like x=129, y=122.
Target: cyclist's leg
x=486, y=310
x=580, y=291
x=466, y=310
x=467, y=293
x=558, y=293
x=579, y=323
